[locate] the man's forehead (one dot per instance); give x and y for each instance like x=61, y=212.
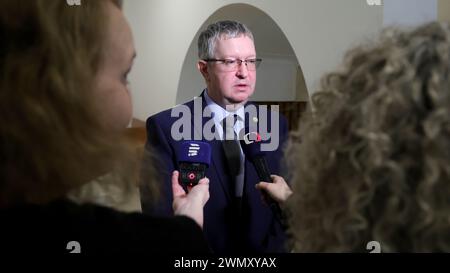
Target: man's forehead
x=235, y=45
x=241, y=41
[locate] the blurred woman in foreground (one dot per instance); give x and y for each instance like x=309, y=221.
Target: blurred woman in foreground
x=64, y=107
x=371, y=162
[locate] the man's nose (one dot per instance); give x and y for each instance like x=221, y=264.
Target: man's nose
x=242, y=70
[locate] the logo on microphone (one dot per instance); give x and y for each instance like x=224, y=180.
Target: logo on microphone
x=193, y=149
x=252, y=137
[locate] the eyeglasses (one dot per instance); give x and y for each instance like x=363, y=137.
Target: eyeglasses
x=233, y=65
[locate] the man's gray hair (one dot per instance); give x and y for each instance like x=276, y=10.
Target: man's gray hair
x=219, y=30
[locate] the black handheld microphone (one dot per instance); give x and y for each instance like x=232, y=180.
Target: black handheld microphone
x=252, y=150
x=193, y=159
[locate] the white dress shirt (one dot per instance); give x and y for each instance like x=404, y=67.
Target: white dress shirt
x=219, y=114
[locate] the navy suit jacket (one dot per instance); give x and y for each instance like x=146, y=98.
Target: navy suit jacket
x=260, y=231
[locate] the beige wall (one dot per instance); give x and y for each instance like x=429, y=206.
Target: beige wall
x=444, y=10
x=320, y=31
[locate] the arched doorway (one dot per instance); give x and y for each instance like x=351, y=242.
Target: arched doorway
x=280, y=78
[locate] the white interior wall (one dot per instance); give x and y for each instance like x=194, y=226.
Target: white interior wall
x=276, y=79
x=409, y=12
x=320, y=31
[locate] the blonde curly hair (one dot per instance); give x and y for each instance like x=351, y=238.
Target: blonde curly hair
x=372, y=159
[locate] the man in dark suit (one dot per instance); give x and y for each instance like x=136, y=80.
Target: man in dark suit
x=236, y=218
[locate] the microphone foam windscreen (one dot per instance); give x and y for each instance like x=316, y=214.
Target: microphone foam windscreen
x=252, y=149
x=194, y=152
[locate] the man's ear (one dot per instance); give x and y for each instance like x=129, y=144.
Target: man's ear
x=202, y=66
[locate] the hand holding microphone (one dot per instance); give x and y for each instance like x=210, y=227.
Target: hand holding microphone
x=252, y=150
x=278, y=190
x=190, y=204
x=190, y=187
